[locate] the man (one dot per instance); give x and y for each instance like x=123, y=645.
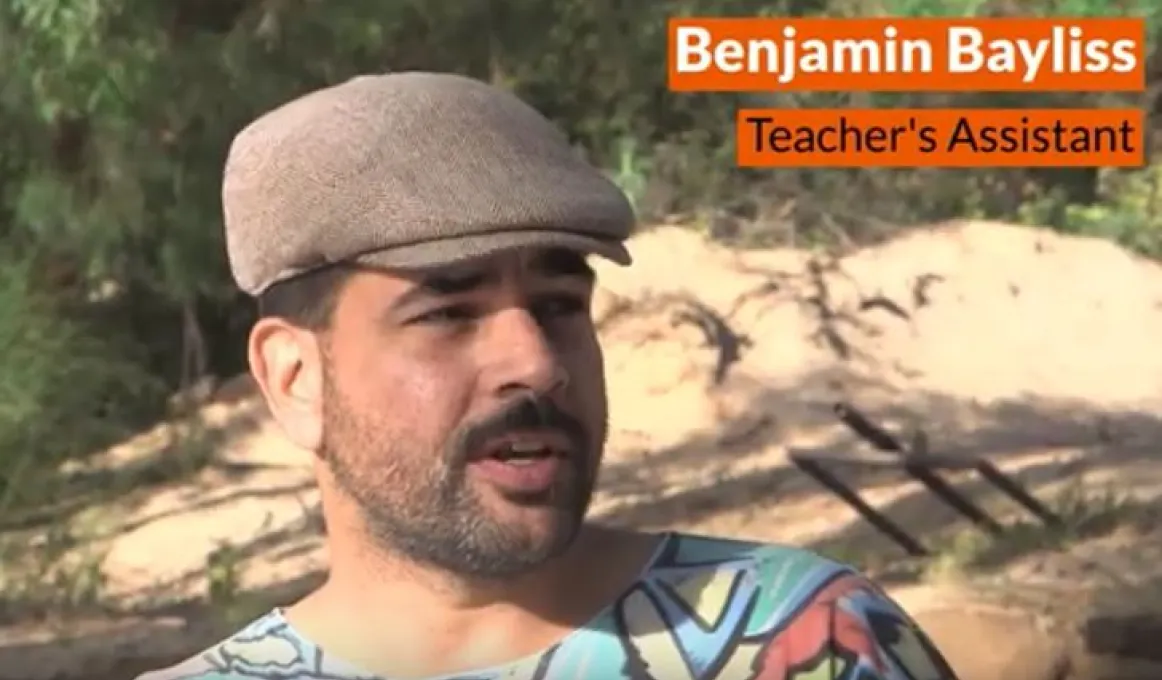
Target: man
x=417, y=244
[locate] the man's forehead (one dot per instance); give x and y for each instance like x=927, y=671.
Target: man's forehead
x=404, y=288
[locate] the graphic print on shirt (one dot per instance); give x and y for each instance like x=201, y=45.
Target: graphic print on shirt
x=713, y=609
x=706, y=609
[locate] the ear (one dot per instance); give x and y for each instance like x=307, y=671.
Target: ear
x=287, y=364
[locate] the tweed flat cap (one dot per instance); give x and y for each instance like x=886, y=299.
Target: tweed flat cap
x=407, y=171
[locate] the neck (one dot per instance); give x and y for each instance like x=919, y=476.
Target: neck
x=415, y=621
x=360, y=572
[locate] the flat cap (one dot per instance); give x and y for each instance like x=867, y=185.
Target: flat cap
x=407, y=171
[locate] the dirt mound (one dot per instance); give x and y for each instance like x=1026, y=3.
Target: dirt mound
x=975, y=310
x=1021, y=645
x=1018, y=343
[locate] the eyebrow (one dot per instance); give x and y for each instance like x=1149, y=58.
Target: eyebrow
x=560, y=262
x=555, y=263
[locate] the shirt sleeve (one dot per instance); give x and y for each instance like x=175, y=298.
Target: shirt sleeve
x=873, y=638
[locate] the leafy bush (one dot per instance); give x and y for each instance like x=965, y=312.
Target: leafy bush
x=64, y=388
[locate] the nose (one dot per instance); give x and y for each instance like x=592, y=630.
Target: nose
x=522, y=357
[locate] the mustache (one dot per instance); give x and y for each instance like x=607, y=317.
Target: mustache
x=530, y=412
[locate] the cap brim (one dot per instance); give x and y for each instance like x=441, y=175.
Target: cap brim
x=444, y=252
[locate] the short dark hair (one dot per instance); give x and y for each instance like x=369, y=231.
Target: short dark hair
x=307, y=300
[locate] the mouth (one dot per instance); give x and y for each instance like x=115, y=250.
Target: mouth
x=527, y=448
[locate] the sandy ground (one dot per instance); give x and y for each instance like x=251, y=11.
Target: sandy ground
x=1035, y=350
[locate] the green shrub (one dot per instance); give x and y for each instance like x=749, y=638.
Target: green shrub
x=64, y=389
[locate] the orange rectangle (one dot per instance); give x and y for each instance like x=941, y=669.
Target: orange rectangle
x=952, y=138
x=900, y=55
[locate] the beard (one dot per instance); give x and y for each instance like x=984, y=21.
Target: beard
x=421, y=505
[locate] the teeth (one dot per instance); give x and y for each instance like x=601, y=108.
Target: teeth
x=524, y=452
x=526, y=447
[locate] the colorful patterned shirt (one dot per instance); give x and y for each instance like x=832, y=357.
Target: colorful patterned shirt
x=703, y=609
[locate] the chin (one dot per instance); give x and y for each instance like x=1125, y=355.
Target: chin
x=537, y=529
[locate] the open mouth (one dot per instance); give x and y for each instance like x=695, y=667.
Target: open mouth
x=527, y=448
x=526, y=461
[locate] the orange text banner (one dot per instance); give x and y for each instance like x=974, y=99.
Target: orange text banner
x=960, y=138
x=897, y=54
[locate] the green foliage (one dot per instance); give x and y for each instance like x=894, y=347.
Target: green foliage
x=64, y=390
x=1146, y=9
x=1130, y=216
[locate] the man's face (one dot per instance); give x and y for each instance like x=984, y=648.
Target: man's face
x=465, y=409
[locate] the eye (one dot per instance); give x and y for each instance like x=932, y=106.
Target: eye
x=559, y=305
x=446, y=315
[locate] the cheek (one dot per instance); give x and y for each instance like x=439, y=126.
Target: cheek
x=410, y=395
x=585, y=363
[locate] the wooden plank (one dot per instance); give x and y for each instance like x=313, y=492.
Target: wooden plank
x=856, y=502
x=886, y=460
